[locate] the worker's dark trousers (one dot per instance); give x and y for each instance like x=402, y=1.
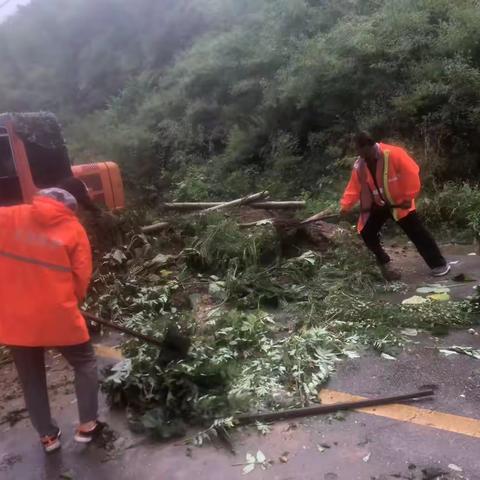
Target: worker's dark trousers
x=30, y=363
x=414, y=229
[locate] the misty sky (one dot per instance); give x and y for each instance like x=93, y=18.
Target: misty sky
x=10, y=8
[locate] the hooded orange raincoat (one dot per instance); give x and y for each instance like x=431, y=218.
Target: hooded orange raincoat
x=45, y=269
x=397, y=178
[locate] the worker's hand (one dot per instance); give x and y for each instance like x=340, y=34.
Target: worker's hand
x=343, y=212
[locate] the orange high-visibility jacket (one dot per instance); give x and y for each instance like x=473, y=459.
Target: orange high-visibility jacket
x=45, y=269
x=397, y=178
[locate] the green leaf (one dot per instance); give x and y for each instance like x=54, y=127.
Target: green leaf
x=440, y=297
x=432, y=289
x=120, y=371
x=455, y=468
x=263, y=428
x=410, y=332
x=415, y=300
x=260, y=457
x=248, y=468
x=469, y=351
x=386, y=356
x=161, y=260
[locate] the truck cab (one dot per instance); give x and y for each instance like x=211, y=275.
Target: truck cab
x=33, y=155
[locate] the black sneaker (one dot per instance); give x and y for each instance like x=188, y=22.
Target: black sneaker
x=441, y=271
x=82, y=436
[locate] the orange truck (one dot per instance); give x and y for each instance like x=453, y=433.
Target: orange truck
x=33, y=155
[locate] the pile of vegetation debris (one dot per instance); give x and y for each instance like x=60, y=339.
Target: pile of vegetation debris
x=244, y=328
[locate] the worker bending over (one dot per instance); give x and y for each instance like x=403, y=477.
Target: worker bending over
x=45, y=269
x=385, y=180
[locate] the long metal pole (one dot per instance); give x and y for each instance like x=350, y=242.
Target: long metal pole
x=127, y=331
x=324, y=409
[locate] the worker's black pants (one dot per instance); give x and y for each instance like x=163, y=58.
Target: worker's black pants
x=415, y=231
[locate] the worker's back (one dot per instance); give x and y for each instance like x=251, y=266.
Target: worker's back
x=45, y=266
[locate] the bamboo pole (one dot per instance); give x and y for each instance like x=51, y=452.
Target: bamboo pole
x=157, y=227
x=235, y=203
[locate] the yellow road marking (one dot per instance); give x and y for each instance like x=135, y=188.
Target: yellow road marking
x=108, y=352
x=406, y=413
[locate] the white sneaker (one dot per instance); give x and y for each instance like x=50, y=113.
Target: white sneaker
x=441, y=271
x=86, y=437
x=51, y=443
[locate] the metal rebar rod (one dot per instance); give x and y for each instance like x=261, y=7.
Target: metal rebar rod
x=324, y=409
x=127, y=331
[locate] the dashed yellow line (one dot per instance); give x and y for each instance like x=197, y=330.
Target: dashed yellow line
x=407, y=413
x=111, y=353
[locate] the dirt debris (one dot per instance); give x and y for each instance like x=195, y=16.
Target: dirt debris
x=8, y=461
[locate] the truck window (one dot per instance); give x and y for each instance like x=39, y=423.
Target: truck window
x=47, y=165
x=10, y=190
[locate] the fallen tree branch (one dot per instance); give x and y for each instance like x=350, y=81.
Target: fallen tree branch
x=156, y=227
x=323, y=215
x=258, y=223
x=291, y=223
x=324, y=409
x=268, y=205
x=235, y=203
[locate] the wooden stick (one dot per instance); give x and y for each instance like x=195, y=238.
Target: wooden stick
x=235, y=203
x=322, y=216
x=271, y=221
x=319, y=216
x=265, y=221
x=157, y=227
x=323, y=409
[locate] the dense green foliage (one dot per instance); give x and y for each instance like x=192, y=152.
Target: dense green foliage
x=220, y=98
x=453, y=206
x=271, y=102
x=72, y=56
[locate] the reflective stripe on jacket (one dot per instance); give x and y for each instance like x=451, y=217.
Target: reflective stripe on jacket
x=45, y=269
x=397, y=176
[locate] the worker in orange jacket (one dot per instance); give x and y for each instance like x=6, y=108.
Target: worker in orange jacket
x=45, y=269
x=385, y=180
